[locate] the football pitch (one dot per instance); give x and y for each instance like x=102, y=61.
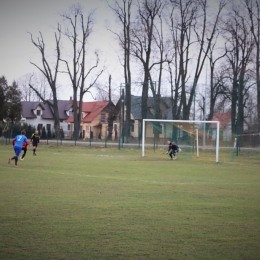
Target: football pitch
x=77, y=202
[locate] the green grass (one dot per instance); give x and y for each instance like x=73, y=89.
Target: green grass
x=101, y=203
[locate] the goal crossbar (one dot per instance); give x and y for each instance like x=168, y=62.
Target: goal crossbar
x=182, y=121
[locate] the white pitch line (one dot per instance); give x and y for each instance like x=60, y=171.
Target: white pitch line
x=123, y=179
x=98, y=155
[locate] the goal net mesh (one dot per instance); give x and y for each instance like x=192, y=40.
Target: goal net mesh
x=197, y=139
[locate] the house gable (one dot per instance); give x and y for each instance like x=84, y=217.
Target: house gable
x=38, y=114
x=92, y=111
x=64, y=107
x=223, y=118
x=29, y=109
x=136, y=107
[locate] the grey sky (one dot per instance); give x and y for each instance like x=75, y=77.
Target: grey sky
x=18, y=17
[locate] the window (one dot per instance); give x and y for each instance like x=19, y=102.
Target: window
x=68, y=127
x=48, y=126
x=39, y=127
x=87, y=128
x=132, y=127
x=70, y=113
x=38, y=112
x=103, y=118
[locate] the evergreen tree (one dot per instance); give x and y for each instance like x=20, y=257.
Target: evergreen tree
x=3, y=88
x=49, y=133
x=13, y=103
x=43, y=132
x=39, y=130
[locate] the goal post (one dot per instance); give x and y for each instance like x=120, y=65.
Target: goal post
x=177, y=129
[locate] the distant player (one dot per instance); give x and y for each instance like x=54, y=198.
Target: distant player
x=18, y=144
x=35, y=139
x=172, y=150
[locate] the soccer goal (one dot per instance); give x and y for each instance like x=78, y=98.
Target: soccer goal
x=195, y=138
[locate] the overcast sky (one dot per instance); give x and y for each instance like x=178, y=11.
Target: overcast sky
x=18, y=17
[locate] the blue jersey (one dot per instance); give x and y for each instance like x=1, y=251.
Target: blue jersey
x=19, y=140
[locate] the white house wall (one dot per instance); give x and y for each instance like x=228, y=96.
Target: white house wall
x=36, y=121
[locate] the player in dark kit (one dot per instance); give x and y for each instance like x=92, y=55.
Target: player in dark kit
x=35, y=139
x=24, y=149
x=172, y=150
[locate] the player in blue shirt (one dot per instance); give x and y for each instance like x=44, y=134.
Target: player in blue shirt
x=18, y=144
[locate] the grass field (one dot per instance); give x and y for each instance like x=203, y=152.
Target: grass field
x=76, y=202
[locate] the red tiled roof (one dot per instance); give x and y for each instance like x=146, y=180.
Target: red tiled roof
x=92, y=108
x=223, y=118
x=70, y=119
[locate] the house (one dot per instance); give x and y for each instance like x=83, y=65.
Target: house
x=136, y=114
x=225, y=125
x=39, y=114
x=94, y=119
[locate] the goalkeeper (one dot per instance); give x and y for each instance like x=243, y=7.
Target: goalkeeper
x=172, y=150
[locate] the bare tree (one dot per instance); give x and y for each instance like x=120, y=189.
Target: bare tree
x=110, y=112
x=217, y=78
x=78, y=32
x=101, y=92
x=253, y=9
x=163, y=51
x=142, y=41
x=27, y=93
x=49, y=74
x=181, y=20
x=106, y=94
x=192, y=18
x=40, y=83
x=205, y=36
x=122, y=9
x=240, y=44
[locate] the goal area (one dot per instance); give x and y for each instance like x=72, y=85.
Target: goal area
x=198, y=139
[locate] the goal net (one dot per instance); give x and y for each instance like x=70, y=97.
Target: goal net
x=197, y=139
x=246, y=145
